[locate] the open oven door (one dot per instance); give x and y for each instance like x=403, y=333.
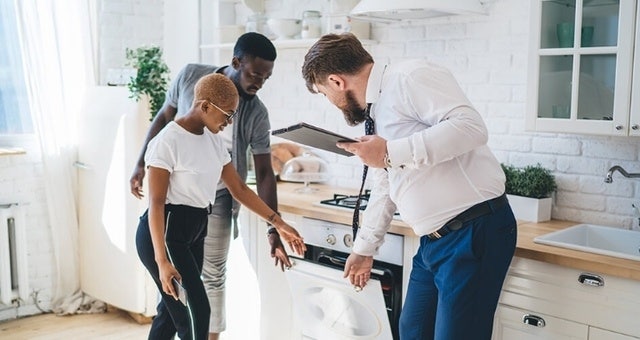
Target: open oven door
x=329, y=308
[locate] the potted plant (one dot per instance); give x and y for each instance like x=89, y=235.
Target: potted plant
x=529, y=191
x=151, y=78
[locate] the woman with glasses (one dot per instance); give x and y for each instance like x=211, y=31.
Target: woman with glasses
x=185, y=161
x=249, y=136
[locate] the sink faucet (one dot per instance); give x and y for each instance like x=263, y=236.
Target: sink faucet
x=609, y=179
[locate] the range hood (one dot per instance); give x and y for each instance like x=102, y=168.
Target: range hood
x=396, y=10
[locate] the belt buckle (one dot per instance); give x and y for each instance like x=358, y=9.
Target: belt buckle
x=435, y=235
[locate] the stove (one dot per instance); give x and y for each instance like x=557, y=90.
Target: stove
x=348, y=201
x=342, y=201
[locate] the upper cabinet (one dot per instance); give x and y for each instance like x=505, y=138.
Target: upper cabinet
x=581, y=75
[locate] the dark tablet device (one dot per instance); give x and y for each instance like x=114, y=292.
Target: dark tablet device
x=314, y=136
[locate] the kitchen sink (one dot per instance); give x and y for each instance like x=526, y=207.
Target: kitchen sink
x=597, y=239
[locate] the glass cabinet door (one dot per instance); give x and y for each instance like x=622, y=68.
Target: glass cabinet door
x=582, y=65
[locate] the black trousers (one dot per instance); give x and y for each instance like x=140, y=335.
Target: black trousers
x=185, y=229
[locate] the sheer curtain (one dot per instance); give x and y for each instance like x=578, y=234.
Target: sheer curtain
x=55, y=39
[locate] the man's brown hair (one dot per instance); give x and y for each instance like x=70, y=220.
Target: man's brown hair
x=333, y=54
x=217, y=89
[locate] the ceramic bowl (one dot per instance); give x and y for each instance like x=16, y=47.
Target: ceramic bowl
x=285, y=28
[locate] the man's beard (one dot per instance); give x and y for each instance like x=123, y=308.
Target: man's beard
x=236, y=80
x=353, y=113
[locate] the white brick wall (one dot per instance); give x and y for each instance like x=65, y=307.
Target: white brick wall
x=127, y=24
x=488, y=56
x=21, y=182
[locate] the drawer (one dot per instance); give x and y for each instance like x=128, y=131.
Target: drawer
x=556, y=290
x=509, y=325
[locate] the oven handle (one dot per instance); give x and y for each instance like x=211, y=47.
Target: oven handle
x=341, y=263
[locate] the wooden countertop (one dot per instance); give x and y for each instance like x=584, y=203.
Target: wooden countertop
x=308, y=205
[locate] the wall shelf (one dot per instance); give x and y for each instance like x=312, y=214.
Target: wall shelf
x=279, y=44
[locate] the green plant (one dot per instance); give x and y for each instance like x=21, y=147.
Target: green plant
x=151, y=78
x=531, y=181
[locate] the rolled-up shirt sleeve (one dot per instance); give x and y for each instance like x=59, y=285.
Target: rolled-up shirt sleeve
x=377, y=217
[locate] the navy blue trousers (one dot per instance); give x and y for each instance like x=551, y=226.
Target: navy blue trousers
x=185, y=230
x=456, y=281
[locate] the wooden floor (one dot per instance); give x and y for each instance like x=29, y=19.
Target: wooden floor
x=242, y=314
x=113, y=325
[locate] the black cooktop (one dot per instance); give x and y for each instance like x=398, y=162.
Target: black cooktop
x=348, y=201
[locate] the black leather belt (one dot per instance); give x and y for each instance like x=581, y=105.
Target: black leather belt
x=478, y=210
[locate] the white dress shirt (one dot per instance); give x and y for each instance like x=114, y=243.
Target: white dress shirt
x=436, y=142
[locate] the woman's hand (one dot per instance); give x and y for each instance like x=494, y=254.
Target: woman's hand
x=290, y=236
x=278, y=252
x=166, y=272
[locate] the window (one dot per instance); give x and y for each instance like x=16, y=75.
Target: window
x=15, y=118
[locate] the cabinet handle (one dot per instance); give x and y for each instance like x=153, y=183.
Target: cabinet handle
x=619, y=127
x=635, y=127
x=81, y=165
x=533, y=320
x=589, y=279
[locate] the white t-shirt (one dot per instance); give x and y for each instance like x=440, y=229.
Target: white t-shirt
x=194, y=162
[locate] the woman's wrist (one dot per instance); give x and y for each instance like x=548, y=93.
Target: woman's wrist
x=272, y=230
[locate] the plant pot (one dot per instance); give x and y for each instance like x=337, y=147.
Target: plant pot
x=530, y=209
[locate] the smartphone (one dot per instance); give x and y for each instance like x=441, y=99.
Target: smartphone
x=179, y=288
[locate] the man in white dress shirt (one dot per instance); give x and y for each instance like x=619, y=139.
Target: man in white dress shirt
x=429, y=160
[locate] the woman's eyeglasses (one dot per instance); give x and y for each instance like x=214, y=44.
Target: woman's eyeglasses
x=229, y=116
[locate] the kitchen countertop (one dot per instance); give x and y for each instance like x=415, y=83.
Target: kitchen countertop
x=308, y=205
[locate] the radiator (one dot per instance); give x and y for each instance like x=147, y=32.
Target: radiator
x=14, y=270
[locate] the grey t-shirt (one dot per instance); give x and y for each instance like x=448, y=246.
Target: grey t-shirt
x=250, y=127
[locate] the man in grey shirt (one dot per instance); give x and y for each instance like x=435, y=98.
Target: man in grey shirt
x=251, y=65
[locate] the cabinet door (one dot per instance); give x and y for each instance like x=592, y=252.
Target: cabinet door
x=513, y=323
x=601, y=334
x=580, y=66
x=634, y=119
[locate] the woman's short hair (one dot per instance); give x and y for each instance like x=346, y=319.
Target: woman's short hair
x=216, y=88
x=333, y=54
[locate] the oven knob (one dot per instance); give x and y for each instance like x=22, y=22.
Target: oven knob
x=331, y=239
x=348, y=240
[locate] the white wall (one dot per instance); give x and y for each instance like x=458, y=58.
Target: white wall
x=488, y=56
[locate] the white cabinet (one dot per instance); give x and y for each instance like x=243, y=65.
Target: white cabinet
x=276, y=303
x=546, y=301
x=601, y=334
x=580, y=68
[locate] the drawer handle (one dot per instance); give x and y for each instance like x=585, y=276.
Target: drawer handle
x=592, y=280
x=533, y=320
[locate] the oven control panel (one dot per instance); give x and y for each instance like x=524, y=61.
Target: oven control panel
x=339, y=237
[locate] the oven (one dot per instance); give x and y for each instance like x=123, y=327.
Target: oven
x=326, y=304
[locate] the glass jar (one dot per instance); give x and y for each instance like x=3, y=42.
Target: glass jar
x=256, y=23
x=310, y=25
